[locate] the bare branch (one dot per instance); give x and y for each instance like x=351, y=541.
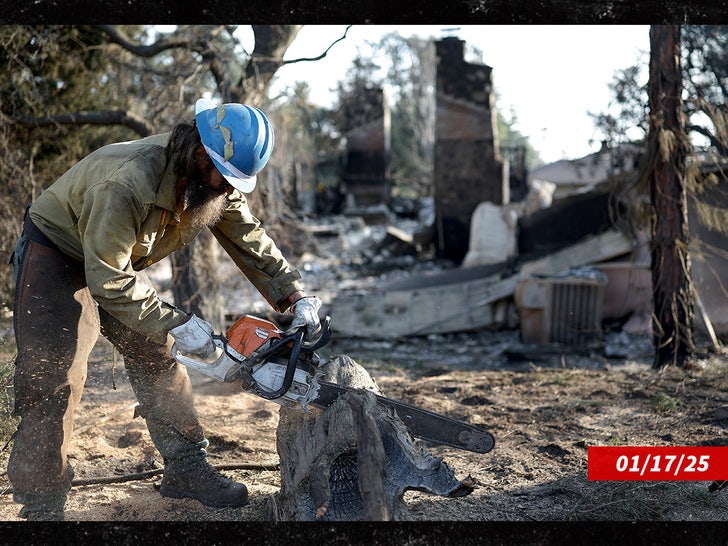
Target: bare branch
x=302, y=59
x=121, y=39
x=111, y=117
x=701, y=130
x=138, y=476
x=217, y=69
x=271, y=43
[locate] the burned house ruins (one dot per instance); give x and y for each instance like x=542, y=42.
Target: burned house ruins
x=514, y=255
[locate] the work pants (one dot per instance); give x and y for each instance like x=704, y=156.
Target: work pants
x=57, y=323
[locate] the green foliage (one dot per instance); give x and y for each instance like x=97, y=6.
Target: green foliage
x=46, y=66
x=55, y=70
x=60, y=70
x=306, y=130
x=411, y=76
x=50, y=70
x=705, y=70
x=704, y=59
x=361, y=75
x=148, y=75
x=626, y=118
x=305, y=139
x=405, y=68
x=664, y=403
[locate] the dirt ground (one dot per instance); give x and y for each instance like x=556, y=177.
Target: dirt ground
x=544, y=407
x=544, y=415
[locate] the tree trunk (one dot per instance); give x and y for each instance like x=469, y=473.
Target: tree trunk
x=667, y=147
x=196, y=281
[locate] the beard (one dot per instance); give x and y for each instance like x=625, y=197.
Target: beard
x=204, y=205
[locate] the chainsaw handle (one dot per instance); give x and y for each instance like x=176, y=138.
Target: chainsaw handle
x=297, y=347
x=297, y=339
x=309, y=347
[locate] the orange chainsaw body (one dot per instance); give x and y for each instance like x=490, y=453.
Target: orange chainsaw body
x=249, y=333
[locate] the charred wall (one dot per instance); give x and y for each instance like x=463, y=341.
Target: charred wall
x=366, y=176
x=564, y=223
x=468, y=169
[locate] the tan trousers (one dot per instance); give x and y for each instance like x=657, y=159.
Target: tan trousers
x=57, y=323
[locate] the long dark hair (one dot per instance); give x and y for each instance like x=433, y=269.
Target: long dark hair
x=185, y=138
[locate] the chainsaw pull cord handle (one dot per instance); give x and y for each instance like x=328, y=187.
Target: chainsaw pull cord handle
x=297, y=339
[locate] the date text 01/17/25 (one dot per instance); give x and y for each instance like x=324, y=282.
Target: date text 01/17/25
x=658, y=463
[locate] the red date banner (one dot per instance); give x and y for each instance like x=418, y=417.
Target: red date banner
x=630, y=463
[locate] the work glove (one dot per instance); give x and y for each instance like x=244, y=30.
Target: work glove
x=305, y=313
x=194, y=337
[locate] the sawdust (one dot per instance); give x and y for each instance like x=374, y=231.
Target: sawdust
x=544, y=416
x=545, y=408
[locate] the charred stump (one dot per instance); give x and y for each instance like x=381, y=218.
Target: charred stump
x=355, y=460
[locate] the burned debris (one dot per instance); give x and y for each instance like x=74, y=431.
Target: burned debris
x=495, y=230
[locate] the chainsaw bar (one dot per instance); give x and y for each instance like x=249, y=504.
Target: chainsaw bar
x=426, y=425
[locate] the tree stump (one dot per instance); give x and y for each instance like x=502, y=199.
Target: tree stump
x=355, y=460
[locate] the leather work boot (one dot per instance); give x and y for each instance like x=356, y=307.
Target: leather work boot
x=40, y=514
x=45, y=505
x=205, y=484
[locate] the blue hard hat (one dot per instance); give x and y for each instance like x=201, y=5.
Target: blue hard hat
x=238, y=138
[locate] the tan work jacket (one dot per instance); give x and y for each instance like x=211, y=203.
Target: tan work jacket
x=115, y=210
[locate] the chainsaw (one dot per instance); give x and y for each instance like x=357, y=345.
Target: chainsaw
x=283, y=368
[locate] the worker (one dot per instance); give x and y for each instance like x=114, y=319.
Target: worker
x=79, y=273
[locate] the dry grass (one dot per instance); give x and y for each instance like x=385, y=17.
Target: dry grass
x=7, y=358
x=643, y=501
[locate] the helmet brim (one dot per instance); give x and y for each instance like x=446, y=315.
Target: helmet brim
x=245, y=186
x=202, y=105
